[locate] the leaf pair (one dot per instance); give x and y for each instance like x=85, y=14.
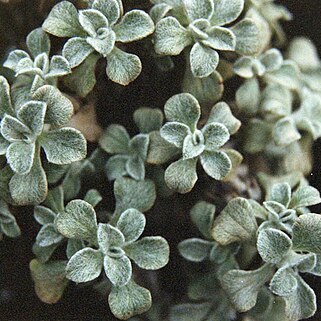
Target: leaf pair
x=97, y=29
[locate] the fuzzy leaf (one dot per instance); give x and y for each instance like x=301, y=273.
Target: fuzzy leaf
x=55, y=200
x=64, y=145
x=220, y=39
x=307, y=233
x=159, y=11
x=203, y=60
x=236, y=223
x=199, y=9
x=195, y=250
x=175, y=133
x=111, y=9
x=243, y=287
x=206, y=90
x=258, y=136
x=171, y=37
x=283, y=282
x=178, y=182
x=123, y=67
x=305, y=196
x=73, y=246
x=78, y=221
x=105, y=45
x=285, y=132
x=221, y=113
x=280, y=193
x=92, y=20
x=247, y=37
x=202, y=215
x=193, y=145
x=93, y=197
x=129, y=300
x=160, y=151
x=5, y=100
x=273, y=245
x=132, y=224
x=76, y=50
x=272, y=59
x=183, y=108
x=50, y=280
x=150, y=253
x=38, y=42
x=118, y=270
x=304, y=53
x=138, y=145
x=82, y=79
x=14, y=58
x=132, y=194
x=301, y=304
x=59, y=66
x=116, y=167
x=216, y=164
x=32, y=114
x=215, y=135
x=59, y=107
x=148, y=119
x=29, y=188
x=44, y=215
x=287, y=75
x=115, y=140
x=109, y=236
x=248, y=96
x=135, y=167
x=20, y=156
x=226, y=11
x=13, y=129
x=63, y=21
x=85, y=265
x=134, y=25
x=48, y=235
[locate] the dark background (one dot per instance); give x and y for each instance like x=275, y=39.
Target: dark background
x=18, y=301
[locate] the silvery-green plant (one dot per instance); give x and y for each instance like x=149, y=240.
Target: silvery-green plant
x=204, y=286
x=35, y=125
x=183, y=113
x=131, y=153
x=49, y=238
x=251, y=253
x=281, y=124
x=265, y=70
x=200, y=24
x=112, y=248
x=98, y=29
x=38, y=69
x=284, y=241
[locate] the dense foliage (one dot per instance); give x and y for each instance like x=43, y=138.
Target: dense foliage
x=253, y=242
